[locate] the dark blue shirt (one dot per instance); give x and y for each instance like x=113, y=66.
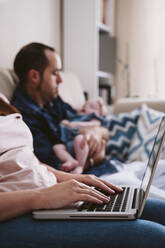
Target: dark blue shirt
x=44, y=124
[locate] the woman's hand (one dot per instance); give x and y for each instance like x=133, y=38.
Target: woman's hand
x=67, y=193
x=73, y=188
x=97, y=182
x=90, y=180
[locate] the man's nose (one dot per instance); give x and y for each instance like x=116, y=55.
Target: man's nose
x=59, y=78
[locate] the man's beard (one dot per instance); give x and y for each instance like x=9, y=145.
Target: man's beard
x=39, y=89
x=40, y=84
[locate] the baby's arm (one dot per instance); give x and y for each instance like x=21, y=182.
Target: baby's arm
x=81, y=154
x=80, y=124
x=102, y=107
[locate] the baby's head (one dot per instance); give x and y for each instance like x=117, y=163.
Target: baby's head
x=96, y=106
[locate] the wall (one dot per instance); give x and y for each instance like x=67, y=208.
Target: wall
x=24, y=21
x=140, y=48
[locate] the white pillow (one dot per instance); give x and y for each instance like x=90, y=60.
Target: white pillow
x=4, y=98
x=143, y=139
x=71, y=90
x=8, y=82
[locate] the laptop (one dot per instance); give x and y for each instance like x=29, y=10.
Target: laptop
x=127, y=205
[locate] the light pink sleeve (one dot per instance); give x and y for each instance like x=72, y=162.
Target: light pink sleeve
x=19, y=167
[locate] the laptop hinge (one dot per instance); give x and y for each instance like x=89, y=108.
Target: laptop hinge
x=141, y=197
x=137, y=198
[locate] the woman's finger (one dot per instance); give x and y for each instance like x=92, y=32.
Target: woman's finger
x=101, y=184
x=95, y=194
x=91, y=190
x=109, y=187
x=89, y=198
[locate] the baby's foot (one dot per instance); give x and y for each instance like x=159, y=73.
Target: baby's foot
x=69, y=165
x=77, y=170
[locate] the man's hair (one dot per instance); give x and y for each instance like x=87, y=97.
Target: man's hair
x=31, y=56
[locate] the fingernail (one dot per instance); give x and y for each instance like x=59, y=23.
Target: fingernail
x=112, y=191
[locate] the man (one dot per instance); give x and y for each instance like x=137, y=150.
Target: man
x=38, y=68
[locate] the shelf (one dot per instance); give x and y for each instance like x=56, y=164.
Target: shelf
x=102, y=74
x=99, y=50
x=105, y=93
x=104, y=28
x=105, y=77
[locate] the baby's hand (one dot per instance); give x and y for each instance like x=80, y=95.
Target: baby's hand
x=65, y=123
x=69, y=124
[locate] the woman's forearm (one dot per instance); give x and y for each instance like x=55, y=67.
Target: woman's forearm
x=60, y=175
x=17, y=203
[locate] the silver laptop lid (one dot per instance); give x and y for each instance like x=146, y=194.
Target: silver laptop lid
x=152, y=163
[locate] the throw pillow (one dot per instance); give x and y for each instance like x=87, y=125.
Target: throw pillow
x=122, y=128
x=143, y=139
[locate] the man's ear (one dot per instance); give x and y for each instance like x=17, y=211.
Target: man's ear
x=34, y=76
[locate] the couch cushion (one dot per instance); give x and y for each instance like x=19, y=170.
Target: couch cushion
x=71, y=90
x=4, y=98
x=142, y=141
x=122, y=128
x=8, y=82
x=131, y=103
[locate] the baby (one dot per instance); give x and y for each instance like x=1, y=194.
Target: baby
x=82, y=159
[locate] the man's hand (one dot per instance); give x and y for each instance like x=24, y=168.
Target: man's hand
x=93, y=136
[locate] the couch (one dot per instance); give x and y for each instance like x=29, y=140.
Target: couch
x=36, y=234
x=72, y=92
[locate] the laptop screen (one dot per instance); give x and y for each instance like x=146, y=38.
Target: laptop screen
x=154, y=157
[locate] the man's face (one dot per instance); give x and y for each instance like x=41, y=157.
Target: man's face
x=51, y=77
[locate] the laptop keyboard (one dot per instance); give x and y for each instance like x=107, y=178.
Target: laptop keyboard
x=117, y=203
